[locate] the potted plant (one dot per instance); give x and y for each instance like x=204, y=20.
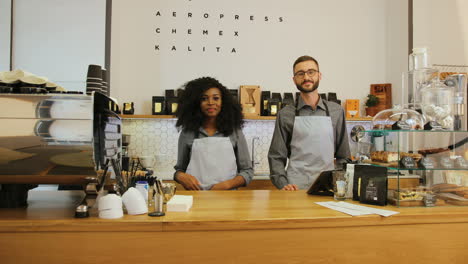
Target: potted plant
x=371, y=103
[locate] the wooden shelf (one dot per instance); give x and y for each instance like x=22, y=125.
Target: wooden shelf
x=173, y=116
x=248, y=118
x=359, y=119
x=147, y=116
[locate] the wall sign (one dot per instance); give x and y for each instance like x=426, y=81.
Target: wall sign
x=164, y=17
x=162, y=44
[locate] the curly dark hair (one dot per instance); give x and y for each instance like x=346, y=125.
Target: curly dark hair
x=190, y=116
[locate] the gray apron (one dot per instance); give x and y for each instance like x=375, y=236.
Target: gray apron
x=212, y=161
x=312, y=149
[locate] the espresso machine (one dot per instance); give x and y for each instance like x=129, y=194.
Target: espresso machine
x=71, y=139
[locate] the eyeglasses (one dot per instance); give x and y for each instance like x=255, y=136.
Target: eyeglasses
x=301, y=74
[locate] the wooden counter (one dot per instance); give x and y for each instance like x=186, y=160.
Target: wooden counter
x=259, y=226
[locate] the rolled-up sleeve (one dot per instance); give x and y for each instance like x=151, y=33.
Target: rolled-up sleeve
x=244, y=162
x=279, y=150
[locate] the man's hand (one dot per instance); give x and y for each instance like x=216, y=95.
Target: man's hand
x=188, y=181
x=290, y=187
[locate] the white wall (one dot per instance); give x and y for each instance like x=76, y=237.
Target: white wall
x=396, y=46
x=442, y=26
x=5, y=17
x=355, y=43
x=59, y=38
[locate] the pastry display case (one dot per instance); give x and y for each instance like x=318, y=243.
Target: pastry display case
x=438, y=160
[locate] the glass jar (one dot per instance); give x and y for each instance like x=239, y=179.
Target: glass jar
x=437, y=104
x=419, y=59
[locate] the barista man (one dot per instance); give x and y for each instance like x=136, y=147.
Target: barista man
x=310, y=134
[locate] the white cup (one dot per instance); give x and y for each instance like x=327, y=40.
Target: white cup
x=147, y=161
x=340, y=193
x=111, y=214
x=340, y=185
x=134, y=202
x=110, y=206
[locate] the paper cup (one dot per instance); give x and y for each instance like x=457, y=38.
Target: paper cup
x=111, y=214
x=134, y=202
x=110, y=207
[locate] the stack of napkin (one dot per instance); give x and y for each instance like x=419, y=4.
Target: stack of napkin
x=180, y=203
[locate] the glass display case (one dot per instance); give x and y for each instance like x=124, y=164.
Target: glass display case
x=425, y=168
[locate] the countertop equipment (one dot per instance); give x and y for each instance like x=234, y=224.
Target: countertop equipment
x=437, y=103
x=459, y=82
x=420, y=75
x=71, y=139
x=125, y=157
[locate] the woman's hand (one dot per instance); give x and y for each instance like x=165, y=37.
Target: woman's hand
x=221, y=186
x=188, y=181
x=229, y=184
x=290, y=187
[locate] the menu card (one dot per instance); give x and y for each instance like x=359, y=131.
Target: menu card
x=354, y=210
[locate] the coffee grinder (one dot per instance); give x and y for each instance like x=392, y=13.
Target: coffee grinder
x=459, y=83
x=147, y=162
x=125, y=156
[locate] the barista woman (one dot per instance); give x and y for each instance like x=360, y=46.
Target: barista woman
x=212, y=152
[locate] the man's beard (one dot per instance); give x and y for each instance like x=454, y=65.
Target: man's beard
x=316, y=85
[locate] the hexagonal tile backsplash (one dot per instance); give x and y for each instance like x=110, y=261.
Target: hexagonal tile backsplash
x=158, y=138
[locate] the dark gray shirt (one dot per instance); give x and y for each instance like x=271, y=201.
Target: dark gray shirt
x=280, y=148
x=241, y=151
